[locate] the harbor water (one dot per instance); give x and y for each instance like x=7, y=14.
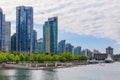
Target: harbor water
x=103, y=71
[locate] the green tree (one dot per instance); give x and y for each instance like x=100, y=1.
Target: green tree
x=11, y=57
x=67, y=56
x=62, y=59
x=48, y=58
x=81, y=57
x=40, y=57
x=32, y=58
x=55, y=58
x=17, y=58
x=23, y=57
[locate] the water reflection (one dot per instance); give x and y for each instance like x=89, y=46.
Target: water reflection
x=2, y=77
x=7, y=74
x=28, y=74
x=89, y=72
x=49, y=75
x=14, y=75
x=23, y=75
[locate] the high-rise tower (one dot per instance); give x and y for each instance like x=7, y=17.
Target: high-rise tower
x=61, y=46
x=24, y=29
x=1, y=24
x=50, y=35
x=5, y=32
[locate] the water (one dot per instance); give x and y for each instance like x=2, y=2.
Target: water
x=89, y=72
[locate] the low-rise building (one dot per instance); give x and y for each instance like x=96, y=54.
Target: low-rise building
x=102, y=56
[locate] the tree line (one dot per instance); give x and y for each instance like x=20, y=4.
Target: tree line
x=39, y=57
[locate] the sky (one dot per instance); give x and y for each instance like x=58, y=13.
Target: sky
x=92, y=24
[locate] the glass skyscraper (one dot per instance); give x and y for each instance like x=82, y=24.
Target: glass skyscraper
x=50, y=35
x=5, y=32
x=13, y=42
x=7, y=36
x=39, y=46
x=34, y=41
x=77, y=50
x=61, y=46
x=68, y=47
x=24, y=29
x=1, y=24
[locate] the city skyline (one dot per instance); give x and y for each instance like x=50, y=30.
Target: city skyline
x=93, y=25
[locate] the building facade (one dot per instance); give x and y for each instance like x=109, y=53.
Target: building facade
x=96, y=51
x=24, y=29
x=5, y=32
x=39, y=46
x=109, y=50
x=103, y=56
x=13, y=42
x=1, y=25
x=7, y=36
x=87, y=53
x=34, y=41
x=50, y=35
x=100, y=56
x=69, y=47
x=77, y=50
x=61, y=46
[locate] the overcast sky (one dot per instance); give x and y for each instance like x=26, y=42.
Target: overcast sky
x=88, y=23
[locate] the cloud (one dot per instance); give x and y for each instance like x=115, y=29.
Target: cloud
x=92, y=17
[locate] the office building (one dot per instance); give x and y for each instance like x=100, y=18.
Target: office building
x=1, y=25
x=7, y=37
x=5, y=32
x=61, y=46
x=39, y=46
x=50, y=35
x=13, y=42
x=24, y=29
x=87, y=52
x=69, y=48
x=100, y=56
x=77, y=50
x=96, y=51
x=34, y=41
x=109, y=50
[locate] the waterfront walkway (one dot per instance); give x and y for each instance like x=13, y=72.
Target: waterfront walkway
x=46, y=65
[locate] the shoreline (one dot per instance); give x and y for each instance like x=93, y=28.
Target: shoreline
x=46, y=65
x=41, y=66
